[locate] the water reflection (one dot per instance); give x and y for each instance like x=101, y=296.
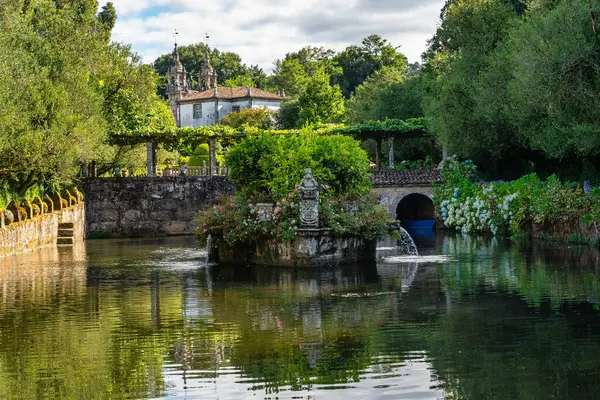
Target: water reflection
x=148, y=319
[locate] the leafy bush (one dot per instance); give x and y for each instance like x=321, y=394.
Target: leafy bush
x=262, y=118
x=272, y=165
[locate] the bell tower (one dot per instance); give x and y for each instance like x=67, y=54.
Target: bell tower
x=207, y=78
x=177, y=85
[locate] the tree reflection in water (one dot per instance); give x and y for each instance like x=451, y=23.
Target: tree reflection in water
x=137, y=319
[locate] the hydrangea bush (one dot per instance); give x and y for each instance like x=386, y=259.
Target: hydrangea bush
x=469, y=206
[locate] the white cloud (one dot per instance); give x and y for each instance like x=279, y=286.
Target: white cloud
x=261, y=31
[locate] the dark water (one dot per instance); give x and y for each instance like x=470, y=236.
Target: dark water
x=147, y=319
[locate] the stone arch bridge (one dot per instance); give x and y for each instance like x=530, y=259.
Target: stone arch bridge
x=407, y=194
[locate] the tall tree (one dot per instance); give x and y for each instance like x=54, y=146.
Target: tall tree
x=320, y=102
x=555, y=91
x=388, y=93
x=360, y=62
x=63, y=88
x=465, y=80
x=292, y=73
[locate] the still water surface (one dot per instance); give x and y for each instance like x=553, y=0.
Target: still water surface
x=148, y=319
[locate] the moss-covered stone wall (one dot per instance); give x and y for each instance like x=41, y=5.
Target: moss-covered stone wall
x=148, y=206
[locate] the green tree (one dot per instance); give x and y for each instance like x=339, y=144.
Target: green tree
x=292, y=73
x=288, y=114
x=64, y=88
x=320, y=102
x=555, y=91
x=465, y=80
x=253, y=77
x=388, y=93
x=357, y=63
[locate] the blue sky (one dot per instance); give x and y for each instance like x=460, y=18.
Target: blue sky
x=261, y=31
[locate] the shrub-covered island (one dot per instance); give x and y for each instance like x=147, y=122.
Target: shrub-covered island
x=261, y=223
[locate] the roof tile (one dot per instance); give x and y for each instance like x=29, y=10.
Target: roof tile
x=414, y=177
x=227, y=93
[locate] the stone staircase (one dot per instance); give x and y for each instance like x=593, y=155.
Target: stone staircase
x=65, y=234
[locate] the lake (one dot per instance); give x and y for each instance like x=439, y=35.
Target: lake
x=475, y=318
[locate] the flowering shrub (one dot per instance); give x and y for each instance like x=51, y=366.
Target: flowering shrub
x=509, y=207
x=240, y=221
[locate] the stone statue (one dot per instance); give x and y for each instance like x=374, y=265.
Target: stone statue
x=309, y=201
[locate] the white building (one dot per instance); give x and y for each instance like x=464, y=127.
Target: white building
x=208, y=105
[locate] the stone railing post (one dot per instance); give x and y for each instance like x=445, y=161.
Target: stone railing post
x=151, y=151
x=212, y=145
x=309, y=201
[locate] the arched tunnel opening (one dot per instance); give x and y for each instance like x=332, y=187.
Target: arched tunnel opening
x=416, y=212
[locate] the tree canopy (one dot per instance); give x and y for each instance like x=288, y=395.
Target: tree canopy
x=64, y=87
x=514, y=85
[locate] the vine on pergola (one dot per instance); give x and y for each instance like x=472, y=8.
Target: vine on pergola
x=173, y=139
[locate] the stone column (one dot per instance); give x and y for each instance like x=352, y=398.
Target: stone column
x=151, y=151
x=212, y=146
x=378, y=153
x=391, y=156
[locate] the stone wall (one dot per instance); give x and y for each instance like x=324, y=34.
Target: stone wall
x=310, y=248
x=148, y=206
x=33, y=234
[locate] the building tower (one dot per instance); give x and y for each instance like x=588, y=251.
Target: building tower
x=207, y=78
x=177, y=85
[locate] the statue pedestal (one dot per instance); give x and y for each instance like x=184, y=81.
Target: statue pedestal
x=310, y=248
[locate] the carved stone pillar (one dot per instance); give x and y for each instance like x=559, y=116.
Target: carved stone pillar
x=309, y=201
x=391, y=156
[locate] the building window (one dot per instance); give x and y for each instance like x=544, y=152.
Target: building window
x=235, y=109
x=197, y=111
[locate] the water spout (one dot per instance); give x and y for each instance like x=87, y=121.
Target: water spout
x=406, y=244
